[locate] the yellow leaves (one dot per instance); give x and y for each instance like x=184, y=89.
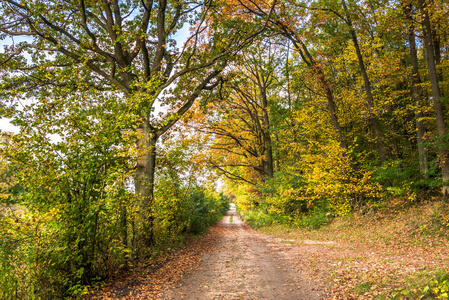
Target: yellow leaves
x=329, y=174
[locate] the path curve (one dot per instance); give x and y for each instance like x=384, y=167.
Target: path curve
x=244, y=265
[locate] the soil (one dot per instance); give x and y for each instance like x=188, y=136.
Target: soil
x=245, y=265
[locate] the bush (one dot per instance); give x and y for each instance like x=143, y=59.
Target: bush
x=399, y=178
x=204, y=210
x=257, y=218
x=194, y=213
x=313, y=220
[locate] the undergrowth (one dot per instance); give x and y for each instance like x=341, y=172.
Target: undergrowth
x=261, y=217
x=423, y=286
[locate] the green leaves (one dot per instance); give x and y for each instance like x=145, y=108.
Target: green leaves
x=73, y=160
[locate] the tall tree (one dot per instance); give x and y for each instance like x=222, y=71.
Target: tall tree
x=286, y=23
x=367, y=84
x=436, y=94
x=260, y=69
x=416, y=80
x=124, y=47
x=243, y=126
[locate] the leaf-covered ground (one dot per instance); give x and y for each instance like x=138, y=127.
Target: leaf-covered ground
x=376, y=255
x=392, y=253
x=246, y=265
x=147, y=281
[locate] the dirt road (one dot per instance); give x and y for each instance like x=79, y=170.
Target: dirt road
x=365, y=257
x=244, y=265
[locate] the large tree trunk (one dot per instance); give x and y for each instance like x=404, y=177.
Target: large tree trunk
x=439, y=110
x=370, y=99
x=416, y=80
x=144, y=179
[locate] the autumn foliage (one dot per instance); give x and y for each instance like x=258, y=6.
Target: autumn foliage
x=132, y=137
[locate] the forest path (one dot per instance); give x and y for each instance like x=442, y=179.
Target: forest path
x=367, y=258
x=243, y=264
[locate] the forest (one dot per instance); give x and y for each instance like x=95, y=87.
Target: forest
x=137, y=123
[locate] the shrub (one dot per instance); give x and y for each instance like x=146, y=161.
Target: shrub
x=257, y=218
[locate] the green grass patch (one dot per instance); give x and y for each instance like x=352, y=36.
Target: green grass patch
x=363, y=287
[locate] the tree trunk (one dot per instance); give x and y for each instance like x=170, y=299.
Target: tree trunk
x=144, y=179
x=266, y=133
x=437, y=54
x=370, y=99
x=332, y=111
x=327, y=88
x=439, y=110
x=313, y=66
x=124, y=223
x=416, y=80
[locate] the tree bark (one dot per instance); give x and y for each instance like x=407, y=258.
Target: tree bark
x=438, y=106
x=144, y=179
x=266, y=132
x=367, y=85
x=416, y=80
x=327, y=89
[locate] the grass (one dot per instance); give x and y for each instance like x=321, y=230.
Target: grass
x=363, y=287
x=415, y=223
